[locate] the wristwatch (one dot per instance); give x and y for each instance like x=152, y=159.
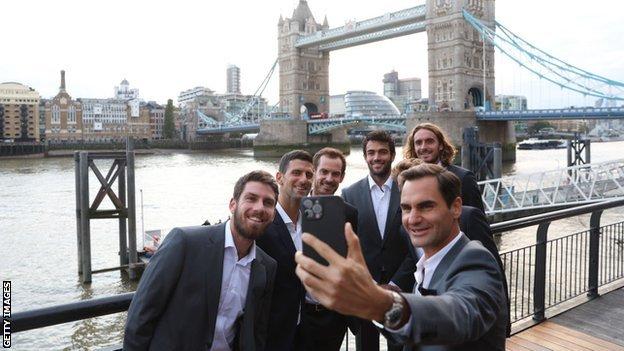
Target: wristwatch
x=392, y=318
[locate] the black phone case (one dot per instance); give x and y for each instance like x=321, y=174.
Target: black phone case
x=328, y=225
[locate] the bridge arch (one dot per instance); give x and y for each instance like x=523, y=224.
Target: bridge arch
x=474, y=97
x=309, y=108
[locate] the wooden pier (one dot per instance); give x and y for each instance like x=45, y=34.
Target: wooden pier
x=594, y=326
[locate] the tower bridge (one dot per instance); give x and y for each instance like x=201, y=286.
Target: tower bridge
x=462, y=37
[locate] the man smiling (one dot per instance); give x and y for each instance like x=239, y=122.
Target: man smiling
x=458, y=302
x=429, y=143
x=209, y=287
x=376, y=198
x=281, y=240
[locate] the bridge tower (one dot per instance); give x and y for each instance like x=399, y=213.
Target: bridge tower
x=304, y=90
x=456, y=57
x=303, y=73
x=457, y=83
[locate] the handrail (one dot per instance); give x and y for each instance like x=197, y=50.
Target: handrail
x=48, y=316
x=53, y=315
x=529, y=221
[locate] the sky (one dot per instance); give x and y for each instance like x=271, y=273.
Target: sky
x=164, y=47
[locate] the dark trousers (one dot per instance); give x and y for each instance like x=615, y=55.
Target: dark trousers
x=323, y=329
x=368, y=339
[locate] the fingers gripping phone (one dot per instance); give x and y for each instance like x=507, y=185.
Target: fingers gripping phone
x=324, y=217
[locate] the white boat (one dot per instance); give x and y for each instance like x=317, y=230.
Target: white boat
x=540, y=144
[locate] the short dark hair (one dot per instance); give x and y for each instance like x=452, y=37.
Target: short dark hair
x=255, y=176
x=449, y=184
x=330, y=152
x=380, y=136
x=293, y=155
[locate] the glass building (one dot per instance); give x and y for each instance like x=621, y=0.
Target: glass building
x=367, y=103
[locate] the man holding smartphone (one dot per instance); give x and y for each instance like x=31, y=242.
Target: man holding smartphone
x=281, y=240
x=325, y=329
x=458, y=301
x=376, y=198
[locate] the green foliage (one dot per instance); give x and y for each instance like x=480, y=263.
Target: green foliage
x=169, y=127
x=537, y=126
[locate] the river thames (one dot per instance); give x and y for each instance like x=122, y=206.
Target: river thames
x=38, y=225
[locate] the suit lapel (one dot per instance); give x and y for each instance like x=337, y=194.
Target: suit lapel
x=447, y=260
x=393, y=208
x=214, y=264
x=283, y=233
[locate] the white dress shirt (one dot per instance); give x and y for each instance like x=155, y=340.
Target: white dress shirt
x=295, y=234
x=425, y=268
x=381, y=201
x=234, y=284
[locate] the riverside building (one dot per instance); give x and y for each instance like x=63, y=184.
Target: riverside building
x=19, y=112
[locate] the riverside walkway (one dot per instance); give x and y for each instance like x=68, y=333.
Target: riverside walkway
x=593, y=326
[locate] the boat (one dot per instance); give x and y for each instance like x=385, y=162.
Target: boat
x=541, y=144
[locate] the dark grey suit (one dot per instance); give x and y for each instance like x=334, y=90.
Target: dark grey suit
x=383, y=256
x=468, y=311
x=176, y=303
x=470, y=193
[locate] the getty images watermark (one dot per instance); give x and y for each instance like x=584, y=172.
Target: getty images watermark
x=6, y=314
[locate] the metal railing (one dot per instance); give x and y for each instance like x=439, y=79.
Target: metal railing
x=540, y=276
x=575, y=185
x=550, y=272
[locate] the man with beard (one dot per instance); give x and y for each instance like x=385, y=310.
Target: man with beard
x=429, y=143
x=210, y=287
x=325, y=329
x=376, y=198
x=281, y=240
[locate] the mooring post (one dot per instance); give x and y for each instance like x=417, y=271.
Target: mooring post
x=497, y=167
x=132, y=271
x=123, y=242
x=84, y=217
x=78, y=212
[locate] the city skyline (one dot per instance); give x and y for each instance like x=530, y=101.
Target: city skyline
x=127, y=41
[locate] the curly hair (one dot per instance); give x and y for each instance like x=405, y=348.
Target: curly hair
x=448, y=150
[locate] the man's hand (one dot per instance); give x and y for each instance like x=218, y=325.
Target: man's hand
x=345, y=285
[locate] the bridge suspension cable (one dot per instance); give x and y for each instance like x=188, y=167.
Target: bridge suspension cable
x=546, y=66
x=238, y=117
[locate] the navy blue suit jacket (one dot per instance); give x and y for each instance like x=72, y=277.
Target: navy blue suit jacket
x=470, y=193
x=288, y=293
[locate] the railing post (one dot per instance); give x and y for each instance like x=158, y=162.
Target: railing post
x=539, y=289
x=594, y=251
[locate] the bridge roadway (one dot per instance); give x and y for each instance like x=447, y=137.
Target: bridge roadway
x=320, y=126
x=389, y=25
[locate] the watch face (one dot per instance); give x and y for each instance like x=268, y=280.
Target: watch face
x=63, y=101
x=394, y=314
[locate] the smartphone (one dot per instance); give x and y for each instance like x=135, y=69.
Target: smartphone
x=324, y=217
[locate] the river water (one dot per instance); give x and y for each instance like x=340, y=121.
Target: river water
x=38, y=225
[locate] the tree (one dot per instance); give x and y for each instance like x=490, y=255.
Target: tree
x=169, y=127
x=535, y=128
